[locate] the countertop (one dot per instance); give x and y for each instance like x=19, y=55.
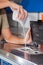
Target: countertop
x=37, y=58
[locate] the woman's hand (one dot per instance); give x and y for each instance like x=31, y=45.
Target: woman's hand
x=28, y=38
x=21, y=12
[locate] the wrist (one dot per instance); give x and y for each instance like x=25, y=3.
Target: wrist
x=13, y=5
x=23, y=41
x=9, y=3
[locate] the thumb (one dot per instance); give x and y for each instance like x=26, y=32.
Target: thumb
x=28, y=32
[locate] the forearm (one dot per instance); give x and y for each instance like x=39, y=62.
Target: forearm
x=4, y=4
x=7, y=3
x=15, y=40
x=0, y=37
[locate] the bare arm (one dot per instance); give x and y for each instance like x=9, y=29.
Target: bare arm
x=7, y=3
x=0, y=37
x=4, y=4
x=11, y=38
x=14, y=39
x=6, y=33
x=21, y=12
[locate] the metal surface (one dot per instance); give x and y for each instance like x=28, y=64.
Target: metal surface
x=13, y=58
x=30, y=50
x=33, y=55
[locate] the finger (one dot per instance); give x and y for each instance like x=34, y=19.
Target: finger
x=18, y=12
x=27, y=35
x=26, y=13
x=21, y=14
x=28, y=32
x=21, y=17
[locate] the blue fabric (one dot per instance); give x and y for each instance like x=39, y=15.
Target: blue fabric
x=8, y=10
x=4, y=62
x=33, y=5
